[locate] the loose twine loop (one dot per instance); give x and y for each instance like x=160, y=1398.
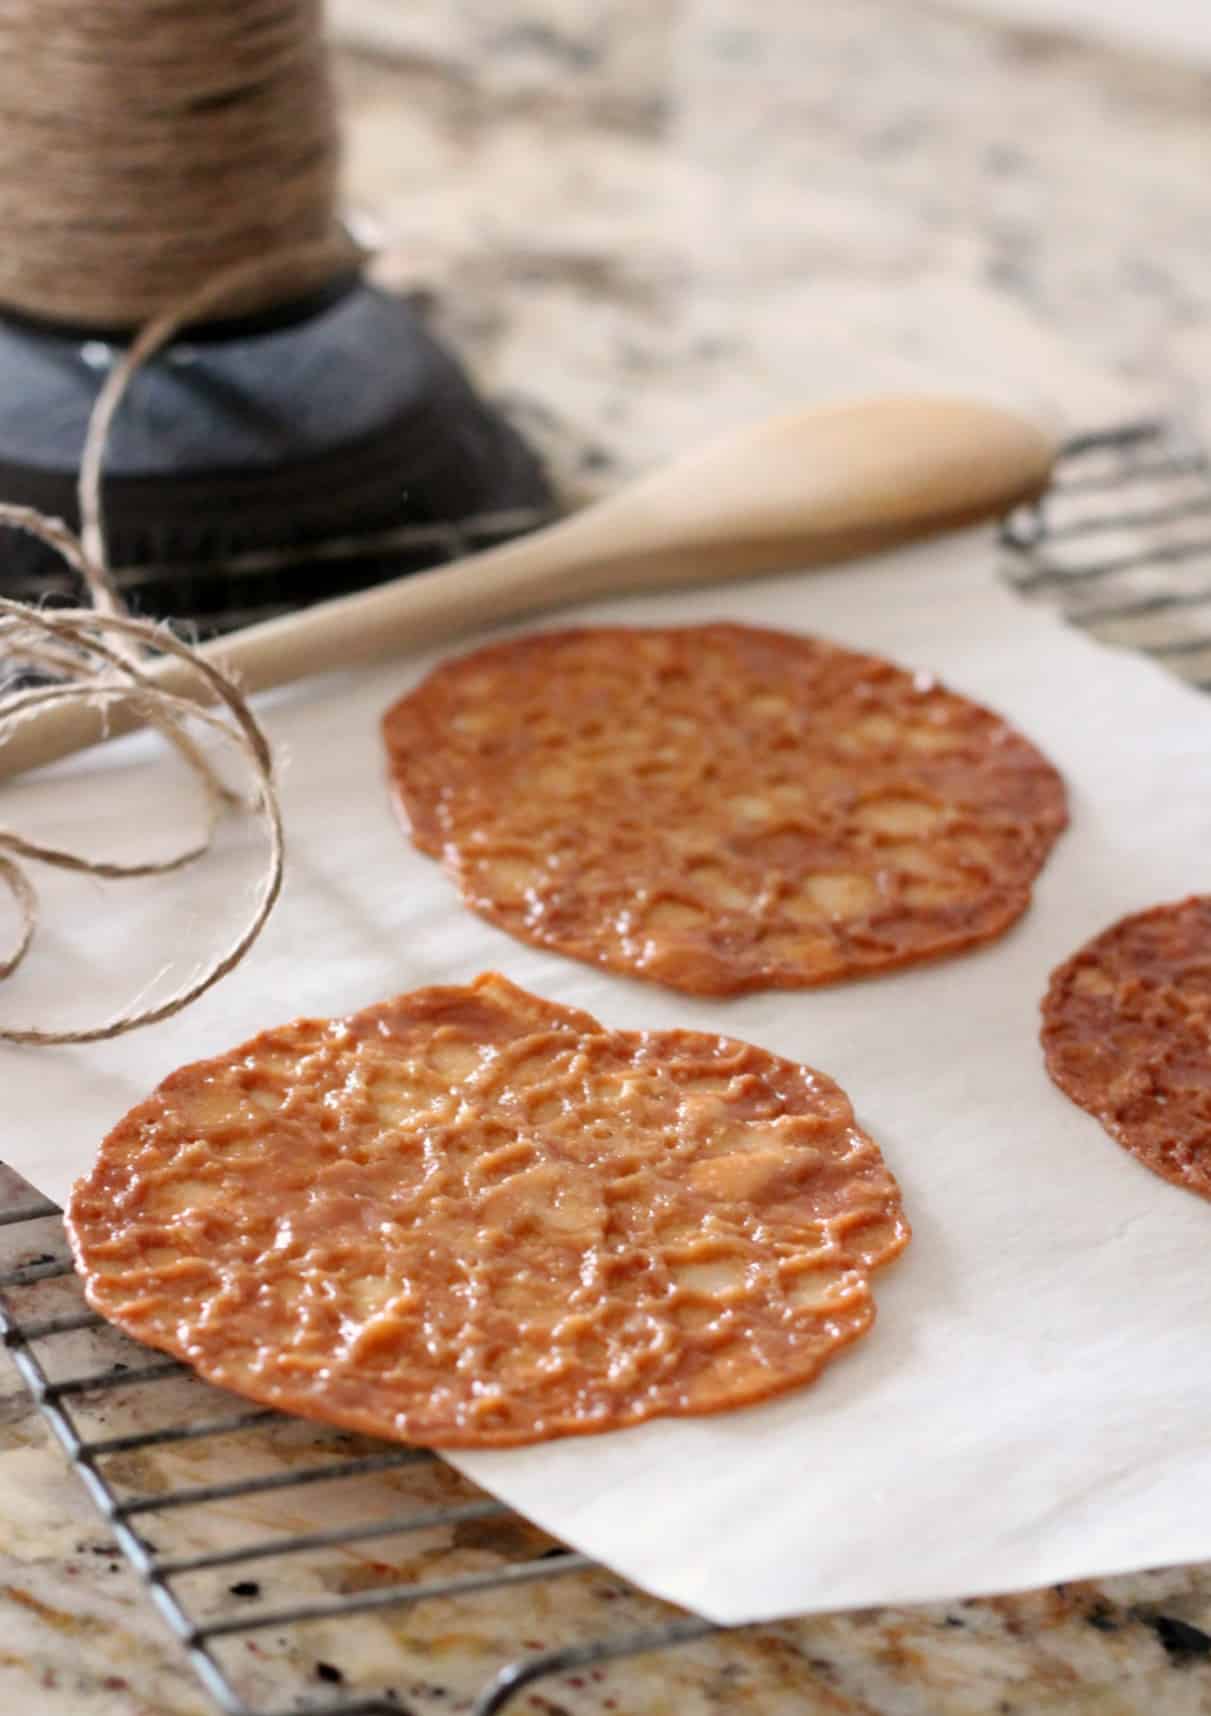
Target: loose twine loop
x=70, y=643
x=98, y=654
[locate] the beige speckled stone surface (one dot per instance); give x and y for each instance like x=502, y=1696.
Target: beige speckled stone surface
x=654, y=220
x=641, y=221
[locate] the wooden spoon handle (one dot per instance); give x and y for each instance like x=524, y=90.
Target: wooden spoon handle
x=805, y=490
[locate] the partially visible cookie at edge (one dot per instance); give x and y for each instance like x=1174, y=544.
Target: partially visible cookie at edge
x=1127, y=1035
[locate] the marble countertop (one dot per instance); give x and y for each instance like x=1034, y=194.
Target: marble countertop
x=652, y=219
x=641, y=221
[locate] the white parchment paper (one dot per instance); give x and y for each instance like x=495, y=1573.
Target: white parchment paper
x=1034, y=1402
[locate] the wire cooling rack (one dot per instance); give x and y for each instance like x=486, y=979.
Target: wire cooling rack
x=1121, y=543
x=207, y=598
x=296, y=1458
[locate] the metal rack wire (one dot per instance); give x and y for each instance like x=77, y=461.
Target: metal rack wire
x=208, y=598
x=1122, y=543
x=127, y=1514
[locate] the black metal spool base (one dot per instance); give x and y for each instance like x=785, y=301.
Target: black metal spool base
x=263, y=464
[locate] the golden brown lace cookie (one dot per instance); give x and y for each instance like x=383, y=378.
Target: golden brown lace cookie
x=1127, y=1035
x=471, y=1218
x=720, y=808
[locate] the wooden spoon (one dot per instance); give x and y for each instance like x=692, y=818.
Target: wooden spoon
x=804, y=490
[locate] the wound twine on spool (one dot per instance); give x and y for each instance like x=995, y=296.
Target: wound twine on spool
x=70, y=646
x=150, y=145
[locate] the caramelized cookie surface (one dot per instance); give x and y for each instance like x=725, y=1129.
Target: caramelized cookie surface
x=720, y=808
x=471, y=1218
x=1127, y=1035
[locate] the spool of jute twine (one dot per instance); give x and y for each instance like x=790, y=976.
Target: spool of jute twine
x=162, y=163
x=149, y=145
